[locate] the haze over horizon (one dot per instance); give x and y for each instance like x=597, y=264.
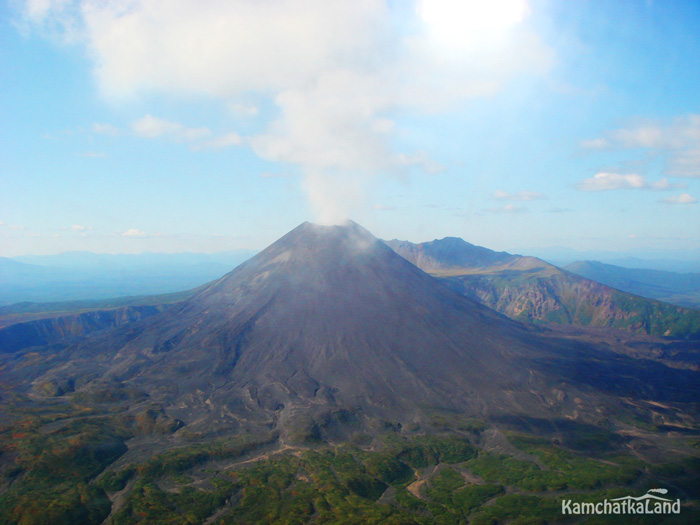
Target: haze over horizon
x=177, y=126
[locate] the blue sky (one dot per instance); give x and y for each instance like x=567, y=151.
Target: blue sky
x=154, y=125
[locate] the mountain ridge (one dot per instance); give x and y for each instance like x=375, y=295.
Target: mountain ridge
x=532, y=290
x=681, y=289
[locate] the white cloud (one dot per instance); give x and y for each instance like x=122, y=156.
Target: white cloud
x=604, y=181
x=224, y=141
x=38, y=9
x=612, y=181
x=223, y=48
x=105, y=129
x=422, y=161
x=683, y=198
x=678, y=141
x=93, y=154
x=685, y=163
x=80, y=228
x=664, y=184
x=595, y=144
x=153, y=127
x=508, y=208
x=519, y=196
x=336, y=71
x=644, y=136
x=232, y=48
x=55, y=19
x=271, y=175
x=133, y=232
x=243, y=110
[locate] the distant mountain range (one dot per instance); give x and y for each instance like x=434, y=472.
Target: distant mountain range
x=531, y=290
x=680, y=261
x=682, y=289
x=76, y=276
x=85, y=259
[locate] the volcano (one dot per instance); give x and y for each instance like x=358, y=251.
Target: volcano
x=328, y=319
x=328, y=380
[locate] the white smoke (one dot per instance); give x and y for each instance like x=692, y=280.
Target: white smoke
x=338, y=73
x=334, y=198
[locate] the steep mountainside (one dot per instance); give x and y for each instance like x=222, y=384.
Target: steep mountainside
x=682, y=289
x=529, y=289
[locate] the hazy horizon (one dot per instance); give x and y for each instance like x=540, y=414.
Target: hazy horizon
x=681, y=261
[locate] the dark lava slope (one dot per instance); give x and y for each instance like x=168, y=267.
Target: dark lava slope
x=329, y=317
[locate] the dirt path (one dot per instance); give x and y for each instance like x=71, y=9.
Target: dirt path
x=118, y=499
x=414, y=488
x=495, y=441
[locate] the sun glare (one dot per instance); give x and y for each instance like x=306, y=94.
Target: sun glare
x=471, y=23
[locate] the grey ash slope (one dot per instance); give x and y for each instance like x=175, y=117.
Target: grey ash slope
x=331, y=318
x=529, y=289
x=330, y=315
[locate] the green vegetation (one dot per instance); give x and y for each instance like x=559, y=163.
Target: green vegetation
x=448, y=488
x=562, y=470
x=51, y=472
x=63, y=462
x=430, y=450
x=179, y=460
x=450, y=421
x=521, y=510
x=683, y=473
